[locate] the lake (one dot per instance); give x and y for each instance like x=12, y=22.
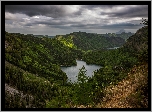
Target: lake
x=113, y=48
x=73, y=71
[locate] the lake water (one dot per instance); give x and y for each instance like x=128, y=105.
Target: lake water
x=113, y=48
x=73, y=71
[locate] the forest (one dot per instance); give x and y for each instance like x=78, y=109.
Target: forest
x=90, y=41
x=32, y=67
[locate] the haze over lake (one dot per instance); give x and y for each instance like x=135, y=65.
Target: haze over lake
x=73, y=71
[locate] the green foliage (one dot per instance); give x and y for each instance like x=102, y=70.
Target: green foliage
x=122, y=35
x=41, y=88
x=89, y=41
x=86, y=91
x=137, y=45
x=116, y=63
x=115, y=58
x=83, y=88
x=82, y=78
x=27, y=60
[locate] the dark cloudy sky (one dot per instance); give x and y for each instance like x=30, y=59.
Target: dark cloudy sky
x=64, y=19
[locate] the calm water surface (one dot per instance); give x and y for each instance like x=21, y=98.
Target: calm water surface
x=73, y=71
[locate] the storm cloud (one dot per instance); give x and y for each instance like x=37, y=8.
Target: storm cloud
x=45, y=10
x=62, y=19
x=131, y=11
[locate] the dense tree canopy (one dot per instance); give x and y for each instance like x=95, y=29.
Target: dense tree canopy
x=90, y=41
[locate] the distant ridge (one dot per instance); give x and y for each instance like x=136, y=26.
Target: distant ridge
x=119, y=32
x=90, y=41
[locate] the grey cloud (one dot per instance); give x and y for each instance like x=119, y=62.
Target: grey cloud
x=28, y=24
x=78, y=25
x=123, y=25
x=98, y=6
x=51, y=22
x=9, y=16
x=63, y=25
x=33, y=10
x=60, y=26
x=112, y=26
x=140, y=11
x=60, y=17
x=97, y=26
x=87, y=26
x=48, y=22
x=8, y=21
x=54, y=11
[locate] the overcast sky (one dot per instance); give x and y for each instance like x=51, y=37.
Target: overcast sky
x=64, y=19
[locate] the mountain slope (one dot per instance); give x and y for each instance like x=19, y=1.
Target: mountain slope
x=123, y=35
x=130, y=92
x=137, y=44
x=22, y=100
x=32, y=65
x=122, y=80
x=89, y=41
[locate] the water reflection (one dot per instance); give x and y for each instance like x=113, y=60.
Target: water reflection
x=73, y=71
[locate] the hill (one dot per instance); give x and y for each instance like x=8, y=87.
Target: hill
x=124, y=74
x=89, y=41
x=131, y=92
x=32, y=65
x=137, y=44
x=123, y=35
x=122, y=82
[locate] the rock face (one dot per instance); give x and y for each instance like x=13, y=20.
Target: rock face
x=11, y=90
x=6, y=44
x=12, y=94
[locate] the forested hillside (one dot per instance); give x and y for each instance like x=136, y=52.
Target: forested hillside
x=137, y=44
x=90, y=41
x=135, y=47
x=32, y=63
x=120, y=66
x=123, y=35
x=121, y=60
x=33, y=78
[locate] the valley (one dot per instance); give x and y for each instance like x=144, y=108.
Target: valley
x=40, y=68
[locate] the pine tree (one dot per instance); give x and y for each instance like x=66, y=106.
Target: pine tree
x=82, y=78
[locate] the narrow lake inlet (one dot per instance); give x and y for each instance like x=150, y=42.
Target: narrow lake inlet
x=73, y=71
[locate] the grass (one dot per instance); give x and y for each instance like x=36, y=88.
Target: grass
x=130, y=92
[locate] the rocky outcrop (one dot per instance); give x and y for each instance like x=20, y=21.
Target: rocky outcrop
x=12, y=94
